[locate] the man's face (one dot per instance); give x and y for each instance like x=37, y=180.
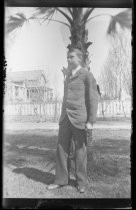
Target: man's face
x=73, y=60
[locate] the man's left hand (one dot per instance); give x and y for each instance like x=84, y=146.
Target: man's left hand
x=89, y=126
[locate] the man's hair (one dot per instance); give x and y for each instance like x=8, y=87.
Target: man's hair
x=77, y=51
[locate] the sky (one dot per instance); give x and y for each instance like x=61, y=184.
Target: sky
x=44, y=47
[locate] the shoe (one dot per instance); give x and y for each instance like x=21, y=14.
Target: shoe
x=81, y=189
x=53, y=186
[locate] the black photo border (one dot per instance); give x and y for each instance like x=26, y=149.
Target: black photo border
x=9, y=203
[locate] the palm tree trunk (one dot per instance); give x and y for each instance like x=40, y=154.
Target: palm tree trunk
x=79, y=37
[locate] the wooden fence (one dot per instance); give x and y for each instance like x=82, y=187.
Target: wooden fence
x=106, y=108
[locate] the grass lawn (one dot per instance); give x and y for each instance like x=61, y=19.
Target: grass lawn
x=29, y=160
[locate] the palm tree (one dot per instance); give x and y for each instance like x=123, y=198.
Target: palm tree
x=76, y=21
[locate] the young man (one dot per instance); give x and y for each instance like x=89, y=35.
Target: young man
x=79, y=110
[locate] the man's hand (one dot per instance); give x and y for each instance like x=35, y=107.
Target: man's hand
x=89, y=126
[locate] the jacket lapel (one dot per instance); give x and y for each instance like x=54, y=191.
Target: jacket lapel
x=75, y=75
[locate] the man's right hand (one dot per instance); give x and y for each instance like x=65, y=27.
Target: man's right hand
x=89, y=126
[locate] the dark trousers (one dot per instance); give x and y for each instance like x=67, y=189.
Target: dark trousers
x=66, y=132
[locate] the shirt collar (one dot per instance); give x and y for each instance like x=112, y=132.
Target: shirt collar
x=77, y=72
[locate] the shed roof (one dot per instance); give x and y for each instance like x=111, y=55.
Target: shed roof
x=20, y=76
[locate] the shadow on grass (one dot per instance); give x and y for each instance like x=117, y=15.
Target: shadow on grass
x=108, y=165
x=32, y=138
x=39, y=176
x=100, y=167
x=26, y=157
x=29, y=149
x=108, y=157
x=36, y=174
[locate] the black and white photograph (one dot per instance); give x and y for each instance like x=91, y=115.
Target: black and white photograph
x=67, y=103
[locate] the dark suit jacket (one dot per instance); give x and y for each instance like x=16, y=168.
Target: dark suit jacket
x=80, y=99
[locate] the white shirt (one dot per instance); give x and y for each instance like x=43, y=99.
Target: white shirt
x=74, y=71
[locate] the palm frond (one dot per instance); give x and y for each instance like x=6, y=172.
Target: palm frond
x=70, y=10
x=46, y=12
x=15, y=22
x=80, y=11
x=58, y=21
x=43, y=10
x=87, y=14
x=49, y=16
x=124, y=19
x=65, y=15
x=75, y=13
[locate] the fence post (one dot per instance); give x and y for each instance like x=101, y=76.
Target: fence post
x=55, y=110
